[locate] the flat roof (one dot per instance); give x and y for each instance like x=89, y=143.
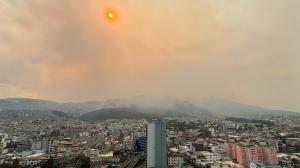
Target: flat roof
x=36, y=155
x=108, y=154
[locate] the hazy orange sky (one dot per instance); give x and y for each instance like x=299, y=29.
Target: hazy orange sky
x=66, y=50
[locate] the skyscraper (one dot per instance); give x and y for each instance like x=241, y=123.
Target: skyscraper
x=156, y=144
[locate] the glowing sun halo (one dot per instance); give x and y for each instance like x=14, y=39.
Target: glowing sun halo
x=111, y=15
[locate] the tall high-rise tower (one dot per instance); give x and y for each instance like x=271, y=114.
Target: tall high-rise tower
x=156, y=144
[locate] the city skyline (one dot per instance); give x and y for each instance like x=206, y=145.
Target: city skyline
x=68, y=51
x=149, y=84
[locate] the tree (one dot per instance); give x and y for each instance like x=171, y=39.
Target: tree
x=49, y=164
x=16, y=164
x=82, y=161
x=6, y=165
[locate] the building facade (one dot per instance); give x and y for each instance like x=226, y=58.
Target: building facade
x=244, y=154
x=156, y=144
x=230, y=150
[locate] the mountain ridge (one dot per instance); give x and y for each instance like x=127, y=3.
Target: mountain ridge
x=205, y=108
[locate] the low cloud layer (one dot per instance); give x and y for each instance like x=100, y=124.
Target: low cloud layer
x=65, y=50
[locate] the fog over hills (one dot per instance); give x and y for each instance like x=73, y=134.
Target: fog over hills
x=145, y=107
x=229, y=108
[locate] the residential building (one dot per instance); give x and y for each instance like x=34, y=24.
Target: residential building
x=156, y=144
x=175, y=160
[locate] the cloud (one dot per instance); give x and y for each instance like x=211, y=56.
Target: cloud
x=11, y=91
x=244, y=50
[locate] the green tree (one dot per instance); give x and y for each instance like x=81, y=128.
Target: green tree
x=82, y=161
x=49, y=164
x=6, y=165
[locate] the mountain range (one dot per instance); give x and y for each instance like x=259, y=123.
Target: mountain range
x=145, y=107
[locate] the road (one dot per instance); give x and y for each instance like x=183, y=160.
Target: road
x=130, y=162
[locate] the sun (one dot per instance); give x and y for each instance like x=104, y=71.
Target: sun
x=111, y=15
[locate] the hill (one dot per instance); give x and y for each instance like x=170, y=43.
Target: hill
x=143, y=106
x=229, y=108
x=114, y=113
